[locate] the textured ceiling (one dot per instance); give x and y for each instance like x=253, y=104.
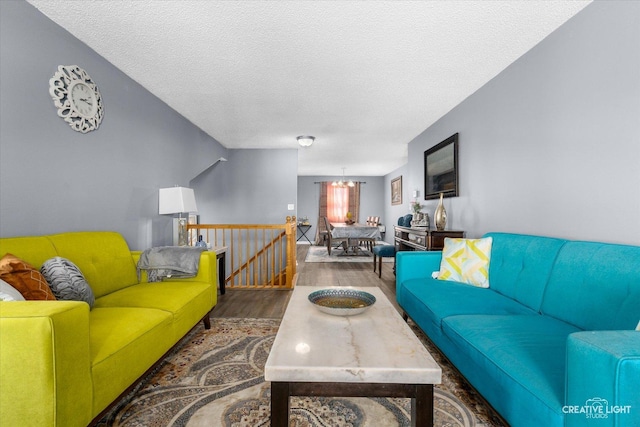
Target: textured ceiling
x=364, y=78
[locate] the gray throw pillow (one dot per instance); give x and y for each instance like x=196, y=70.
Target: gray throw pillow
x=66, y=281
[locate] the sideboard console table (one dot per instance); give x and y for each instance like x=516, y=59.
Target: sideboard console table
x=421, y=238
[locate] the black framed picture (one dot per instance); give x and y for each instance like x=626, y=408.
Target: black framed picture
x=441, y=169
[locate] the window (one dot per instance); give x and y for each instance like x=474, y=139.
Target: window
x=337, y=203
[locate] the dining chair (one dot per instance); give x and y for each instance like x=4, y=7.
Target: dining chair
x=382, y=251
x=330, y=240
x=372, y=221
x=322, y=232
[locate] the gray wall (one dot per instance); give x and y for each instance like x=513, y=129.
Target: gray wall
x=551, y=146
x=393, y=212
x=252, y=187
x=53, y=179
x=371, y=198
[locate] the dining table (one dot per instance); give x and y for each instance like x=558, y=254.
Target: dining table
x=353, y=234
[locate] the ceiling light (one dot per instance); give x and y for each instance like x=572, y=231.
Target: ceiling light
x=306, y=141
x=342, y=182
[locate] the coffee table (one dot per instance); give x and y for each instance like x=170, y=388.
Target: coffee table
x=372, y=354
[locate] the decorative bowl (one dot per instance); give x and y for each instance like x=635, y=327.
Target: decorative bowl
x=342, y=302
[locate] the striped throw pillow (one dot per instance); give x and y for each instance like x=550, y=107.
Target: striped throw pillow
x=66, y=281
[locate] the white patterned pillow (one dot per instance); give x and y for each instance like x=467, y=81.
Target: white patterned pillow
x=9, y=293
x=66, y=281
x=466, y=261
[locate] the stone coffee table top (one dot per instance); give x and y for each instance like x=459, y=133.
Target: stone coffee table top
x=376, y=346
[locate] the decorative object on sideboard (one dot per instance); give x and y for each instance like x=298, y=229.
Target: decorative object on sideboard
x=416, y=207
x=305, y=140
x=440, y=217
x=441, y=169
x=177, y=200
x=421, y=219
x=405, y=221
x=77, y=98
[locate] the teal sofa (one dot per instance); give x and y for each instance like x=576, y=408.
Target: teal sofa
x=552, y=341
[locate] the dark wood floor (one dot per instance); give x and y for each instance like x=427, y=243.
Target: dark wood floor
x=272, y=303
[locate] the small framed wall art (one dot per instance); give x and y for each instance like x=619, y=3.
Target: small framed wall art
x=396, y=191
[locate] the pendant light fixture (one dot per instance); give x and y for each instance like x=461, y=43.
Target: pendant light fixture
x=342, y=182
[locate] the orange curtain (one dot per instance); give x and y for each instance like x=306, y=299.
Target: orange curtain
x=337, y=203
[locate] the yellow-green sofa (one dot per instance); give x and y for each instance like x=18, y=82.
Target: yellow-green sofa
x=62, y=364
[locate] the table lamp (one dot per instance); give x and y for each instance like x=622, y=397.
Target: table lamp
x=178, y=200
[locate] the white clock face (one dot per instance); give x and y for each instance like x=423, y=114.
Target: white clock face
x=83, y=99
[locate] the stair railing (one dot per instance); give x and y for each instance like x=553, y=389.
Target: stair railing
x=258, y=256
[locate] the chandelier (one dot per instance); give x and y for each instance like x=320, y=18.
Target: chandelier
x=343, y=182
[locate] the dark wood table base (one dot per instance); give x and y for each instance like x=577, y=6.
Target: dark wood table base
x=421, y=397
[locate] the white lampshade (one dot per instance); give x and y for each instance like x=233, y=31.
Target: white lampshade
x=176, y=200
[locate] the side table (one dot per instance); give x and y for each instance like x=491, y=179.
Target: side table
x=304, y=228
x=221, y=252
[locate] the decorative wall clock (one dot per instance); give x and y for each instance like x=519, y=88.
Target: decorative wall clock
x=77, y=98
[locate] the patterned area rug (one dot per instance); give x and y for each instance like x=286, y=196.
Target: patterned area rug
x=319, y=254
x=215, y=378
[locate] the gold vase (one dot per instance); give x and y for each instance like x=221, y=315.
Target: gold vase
x=440, y=216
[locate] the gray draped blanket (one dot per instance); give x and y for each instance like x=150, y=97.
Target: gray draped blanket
x=170, y=261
